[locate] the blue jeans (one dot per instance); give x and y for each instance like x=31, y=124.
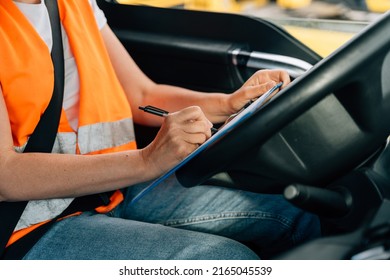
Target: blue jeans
x=173, y=222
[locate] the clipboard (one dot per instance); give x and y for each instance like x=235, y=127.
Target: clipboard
x=233, y=121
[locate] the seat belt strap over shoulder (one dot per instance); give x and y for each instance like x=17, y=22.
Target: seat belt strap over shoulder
x=45, y=133
x=43, y=137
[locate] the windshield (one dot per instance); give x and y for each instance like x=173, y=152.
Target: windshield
x=322, y=25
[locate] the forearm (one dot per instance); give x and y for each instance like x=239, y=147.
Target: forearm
x=39, y=176
x=172, y=98
x=216, y=106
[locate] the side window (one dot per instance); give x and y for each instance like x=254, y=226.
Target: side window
x=321, y=25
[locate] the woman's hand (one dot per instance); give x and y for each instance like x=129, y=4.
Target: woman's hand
x=255, y=86
x=180, y=134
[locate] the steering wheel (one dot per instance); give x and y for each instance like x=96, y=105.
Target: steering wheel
x=326, y=122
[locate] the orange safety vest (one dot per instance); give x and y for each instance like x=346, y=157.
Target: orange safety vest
x=26, y=78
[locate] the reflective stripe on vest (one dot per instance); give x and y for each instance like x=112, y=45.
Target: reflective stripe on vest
x=107, y=135
x=94, y=138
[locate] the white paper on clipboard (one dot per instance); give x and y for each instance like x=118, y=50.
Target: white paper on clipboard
x=226, y=128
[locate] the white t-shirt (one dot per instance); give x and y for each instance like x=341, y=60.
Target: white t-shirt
x=39, y=18
x=41, y=210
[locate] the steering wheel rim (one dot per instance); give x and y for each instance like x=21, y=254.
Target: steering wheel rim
x=331, y=75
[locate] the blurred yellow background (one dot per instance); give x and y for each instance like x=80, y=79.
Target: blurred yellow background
x=237, y=5
x=322, y=41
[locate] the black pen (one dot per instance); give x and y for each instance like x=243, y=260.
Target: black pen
x=154, y=110
x=162, y=113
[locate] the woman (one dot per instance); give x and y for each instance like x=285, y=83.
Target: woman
x=95, y=150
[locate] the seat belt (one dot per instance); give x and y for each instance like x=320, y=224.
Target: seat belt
x=43, y=137
x=42, y=140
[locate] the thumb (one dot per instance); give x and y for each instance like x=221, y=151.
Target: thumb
x=258, y=90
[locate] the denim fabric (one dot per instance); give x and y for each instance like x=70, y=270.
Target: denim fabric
x=173, y=222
